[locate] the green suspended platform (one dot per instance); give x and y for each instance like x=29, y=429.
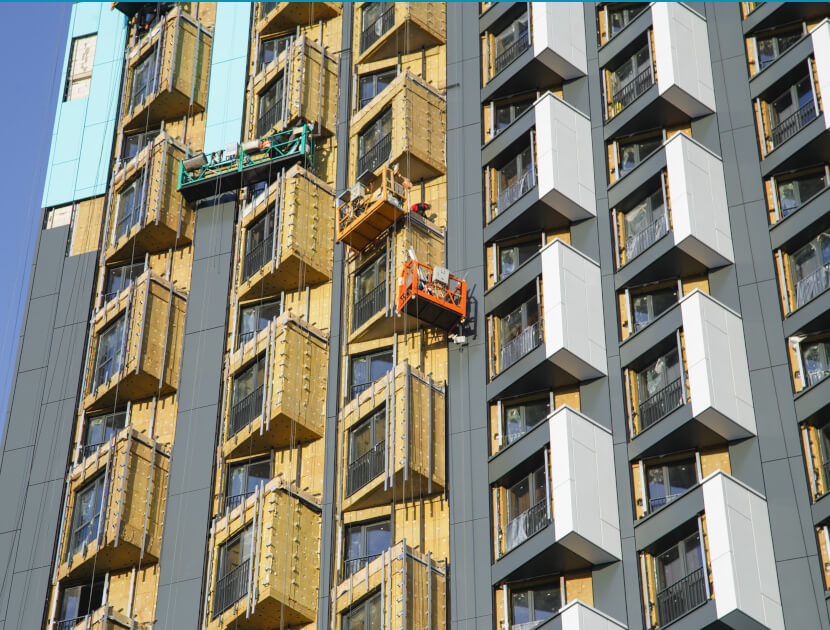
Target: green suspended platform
x=206, y=175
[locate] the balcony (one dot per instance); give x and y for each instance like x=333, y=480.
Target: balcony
x=415, y=140
x=363, y=215
x=401, y=28
x=288, y=406
x=161, y=81
x=143, y=330
x=555, y=332
x=275, y=17
x=253, y=594
x=682, y=223
x=643, y=58
x=146, y=212
x=557, y=526
x=373, y=285
x=730, y=578
x=127, y=526
x=406, y=457
x=555, y=187
x=692, y=353
x=547, y=47
x=412, y=588
x=298, y=250
x=104, y=618
x=309, y=98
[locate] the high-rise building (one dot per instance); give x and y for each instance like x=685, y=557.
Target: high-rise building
x=409, y=316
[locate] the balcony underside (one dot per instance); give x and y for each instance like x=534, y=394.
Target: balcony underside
x=806, y=147
x=380, y=325
x=649, y=108
x=290, y=14
x=524, y=74
x=281, y=432
x=413, y=167
x=661, y=260
x=404, y=37
x=533, y=372
x=107, y=558
x=165, y=105
x=130, y=387
x=269, y=613
x=285, y=277
x=676, y=431
x=149, y=238
x=373, y=493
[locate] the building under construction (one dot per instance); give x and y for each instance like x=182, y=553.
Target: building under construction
x=406, y=316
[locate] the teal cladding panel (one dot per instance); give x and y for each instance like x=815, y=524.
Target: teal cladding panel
x=82, y=137
x=226, y=91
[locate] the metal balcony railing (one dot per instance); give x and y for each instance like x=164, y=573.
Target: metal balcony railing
x=658, y=502
x=257, y=257
x=359, y=388
x=509, y=54
x=353, y=565
x=681, y=597
x=520, y=345
x=815, y=377
x=245, y=337
x=364, y=308
x=89, y=449
x=268, y=119
x=637, y=243
x=511, y=194
x=376, y=155
x=376, y=29
x=793, y=123
x=234, y=500
x=661, y=404
x=232, y=587
x=244, y=412
x=529, y=522
x=628, y=93
x=365, y=468
x=812, y=285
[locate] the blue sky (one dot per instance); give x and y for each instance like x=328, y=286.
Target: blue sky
x=32, y=40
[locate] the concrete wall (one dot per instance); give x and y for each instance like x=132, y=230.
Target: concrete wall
x=82, y=137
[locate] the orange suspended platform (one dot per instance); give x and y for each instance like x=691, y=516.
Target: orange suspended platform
x=367, y=215
x=432, y=295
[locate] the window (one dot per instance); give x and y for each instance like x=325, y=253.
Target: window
x=527, y=508
x=647, y=306
x=77, y=602
x=795, y=191
x=232, y=571
x=375, y=143
x=270, y=107
x=99, y=430
x=370, y=85
x=88, y=510
x=515, y=178
x=667, y=481
x=511, y=43
x=259, y=243
x=243, y=479
x=620, y=15
x=680, y=579
x=815, y=355
x=272, y=48
x=108, y=352
x=521, y=417
x=824, y=455
x=645, y=224
x=363, y=616
x=79, y=73
x=143, y=78
x=246, y=395
x=505, y=114
x=530, y=605
x=630, y=79
x=632, y=152
x=511, y=257
x=367, y=368
x=770, y=47
x=366, y=452
x=255, y=317
x=810, y=266
x=364, y=543
x=791, y=110
x=130, y=204
x=660, y=388
x=520, y=332
x=376, y=19
x=369, y=291
x=56, y=217
x=135, y=142
x=119, y=278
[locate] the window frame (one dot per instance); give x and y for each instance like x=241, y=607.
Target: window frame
x=113, y=423
x=275, y=90
x=116, y=329
x=374, y=421
x=369, y=357
x=257, y=367
x=530, y=589
x=365, y=608
x=127, y=218
x=283, y=42
x=256, y=309
x=665, y=465
x=649, y=293
x=373, y=77
x=97, y=486
x=83, y=79
x=246, y=465
x=145, y=69
x=130, y=271
x=363, y=528
x=521, y=405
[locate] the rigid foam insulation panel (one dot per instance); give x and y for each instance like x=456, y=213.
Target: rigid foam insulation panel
x=281, y=585
x=150, y=348
x=166, y=219
x=135, y=486
x=180, y=75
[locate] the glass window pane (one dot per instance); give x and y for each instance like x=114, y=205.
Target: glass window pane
x=656, y=483
x=669, y=568
x=380, y=365
x=520, y=607
x=378, y=538
x=546, y=601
